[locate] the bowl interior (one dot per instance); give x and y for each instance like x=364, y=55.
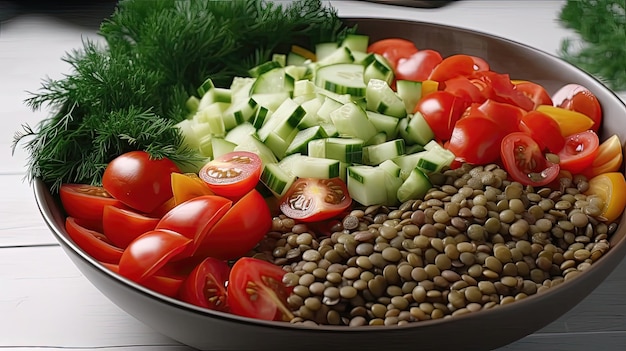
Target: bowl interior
x=212, y=330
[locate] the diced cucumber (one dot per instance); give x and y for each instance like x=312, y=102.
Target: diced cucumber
x=356, y=42
x=264, y=67
x=341, y=78
x=295, y=59
x=262, y=115
x=221, y=146
x=302, y=139
x=328, y=105
x=330, y=129
x=378, y=68
x=407, y=163
x=215, y=94
x=273, y=81
x=322, y=50
x=410, y=92
x=310, y=119
x=392, y=181
x=192, y=104
x=384, y=123
x=376, y=154
x=240, y=133
x=379, y=138
x=348, y=150
x=205, y=86
x=276, y=179
x=340, y=55
x=316, y=148
x=277, y=144
x=252, y=144
x=435, y=158
x=391, y=167
x=415, y=186
x=187, y=128
x=280, y=58
x=411, y=149
x=283, y=122
x=316, y=167
x=240, y=88
x=271, y=101
x=205, y=146
x=298, y=72
x=381, y=98
x=289, y=163
x=366, y=185
x=303, y=87
x=239, y=112
x=351, y=120
x=418, y=131
x=212, y=116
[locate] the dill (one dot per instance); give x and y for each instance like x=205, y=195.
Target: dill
x=128, y=92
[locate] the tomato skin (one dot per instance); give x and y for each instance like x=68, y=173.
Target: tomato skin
x=441, y=110
x=577, y=98
x=149, y=252
x=94, y=243
x=611, y=187
x=418, y=66
x=544, y=130
x=205, y=286
x=524, y=161
x=476, y=139
x=306, y=199
x=164, y=284
x=256, y=290
x=239, y=230
x=579, y=151
x=139, y=181
x=534, y=92
x=507, y=116
x=86, y=201
x=453, y=66
x=501, y=89
x=463, y=87
x=122, y=226
x=393, y=49
x=233, y=174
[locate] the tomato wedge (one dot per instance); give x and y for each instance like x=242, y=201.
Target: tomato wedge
x=86, y=201
x=256, y=290
x=507, y=116
x=313, y=199
x=577, y=98
x=160, y=282
x=608, y=159
x=441, y=110
x=544, y=130
x=393, y=49
x=476, y=138
x=233, y=174
x=149, y=252
x=122, y=226
x=611, y=188
x=524, y=161
x=535, y=92
x=499, y=87
x=418, y=66
x=205, y=286
x=453, y=66
x=239, y=230
x=579, y=151
x=92, y=242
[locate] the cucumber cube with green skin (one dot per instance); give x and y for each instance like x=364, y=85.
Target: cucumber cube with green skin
x=351, y=120
x=366, y=185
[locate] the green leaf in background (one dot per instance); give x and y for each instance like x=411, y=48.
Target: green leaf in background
x=601, y=25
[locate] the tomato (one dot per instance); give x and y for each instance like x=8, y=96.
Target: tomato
x=86, y=201
x=462, y=87
x=312, y=199
x=232, y=174
x=164, y=284
x=92, y=242
x=205, y=286
x=149, y=252
x=239, y=230
x=570, y=122
x=453, y=66
x=610, y=187
x=507, y=116
x=524, y=161
x=139, y=181
x=194, y=218
x=480, y=64
x=534, y=92
x=579, y=151
x=418, y=66
x=441, y=110
x=544, y=130
x=393, y=49
x=476, y=139
x=122, y=226
x=608, y=159
x=500, y=88
x=256, y=290
x=577, y=98
x=186, y=186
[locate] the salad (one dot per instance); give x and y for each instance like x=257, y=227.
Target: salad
x=351, y=182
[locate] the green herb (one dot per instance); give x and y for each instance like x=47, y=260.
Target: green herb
x=129, y=92
x=601, y=25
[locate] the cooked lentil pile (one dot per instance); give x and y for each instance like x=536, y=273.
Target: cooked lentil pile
x=476, y=241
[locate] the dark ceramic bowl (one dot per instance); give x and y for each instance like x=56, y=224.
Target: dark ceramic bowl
x=211, y=330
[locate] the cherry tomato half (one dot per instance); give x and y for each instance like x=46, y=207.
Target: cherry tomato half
x=535, y=92
x=507, y=116
x=161, y=282
x=122, y=226
x=205, y=286
x=92, y=242
x=524, y=161
x=393, y=49
x=544, y=130
x=418, y=66
x=577, y=98
x=500, y=88
x=313, y=199
x=441, y=110
x=476, y=138
x=233, y=174
x=453, y=66
x=139, y=181
x=579, y=151
x=610, y=187
x=256, y=290
x=86, y=201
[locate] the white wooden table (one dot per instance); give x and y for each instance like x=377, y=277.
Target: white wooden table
x=46, y=303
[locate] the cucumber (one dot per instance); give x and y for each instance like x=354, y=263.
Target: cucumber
x=273, y=81
x=295, y=59
x=378, y=68
x=365, y=185
x=376, y=154
x=356, y=42
x=407, y=163
x=381, y=98
x=264, y=67
x=410, y=92
x=221, y=146
x=379, y=138
x=351, y=120
x=301, y=140
x=325, y=49
x=277, y=144
x=240, y=88
x=328, y=105
x=340, y=55
x=271, y=101
x=392, y=181
x=252, y=144
x=240, y=133
x=348, y=150
x=341, y=78
x=214, y=94
x=283, y=121
x=415, y=186
x=316, y=167
x=384, y=123
x=276, y=179
x=418, y=131
x=239, y=112
x=262, y=114
x=310, y=118
x=303, y=87
x=435, y=158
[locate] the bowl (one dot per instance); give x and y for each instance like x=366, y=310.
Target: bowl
x=210, y=330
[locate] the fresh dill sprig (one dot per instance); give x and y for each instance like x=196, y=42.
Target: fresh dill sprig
x=601, y=25
x=129, y=92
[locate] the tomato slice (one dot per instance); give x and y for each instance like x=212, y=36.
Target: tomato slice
x=570, y=122
x=544, y=130
x=312, y=199
x=501, y=89
x=239, y=230
x=608, y=159
x=205, y=286
x=418, y=66
x=86, y=201
x=610, y=187
x=441, y=110
x=393, y=49
x=233, y=174
x=579, y=151
x=476, y=138
x=160, y=282
x=122, y=226
x=463, y=87
x=139, y=181
x=524, y=161
x=92, y=242
x=453, y=66
x=577, y=98
x=256, y=290
x=507, y=116
x=534, y=92
x=149, y=252
x=186, y=186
